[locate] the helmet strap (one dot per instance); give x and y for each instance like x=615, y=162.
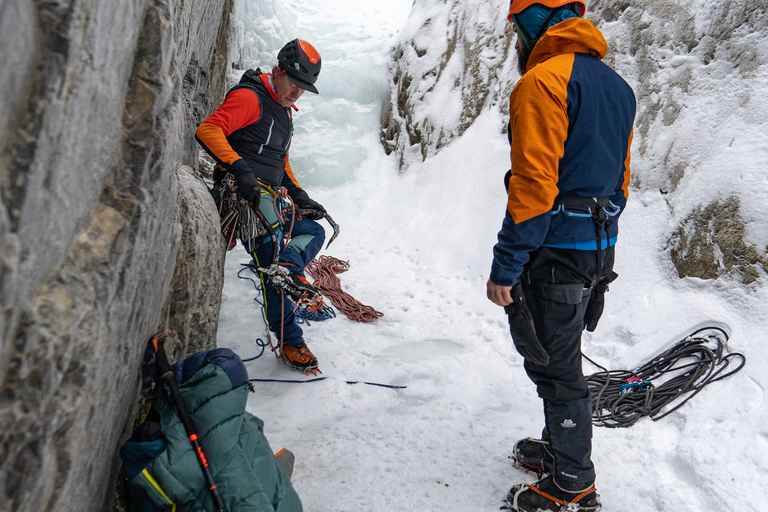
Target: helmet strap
x=524, y=35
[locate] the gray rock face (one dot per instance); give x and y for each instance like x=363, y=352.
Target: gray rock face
x=104, y=238
x=710, y=243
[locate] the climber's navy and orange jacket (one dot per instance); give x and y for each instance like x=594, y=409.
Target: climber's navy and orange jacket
x=251, y=125
x=570, y=130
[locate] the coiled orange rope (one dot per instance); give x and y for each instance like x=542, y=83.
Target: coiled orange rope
x=323, y=273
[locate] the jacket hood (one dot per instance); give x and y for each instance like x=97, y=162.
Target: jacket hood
x=251, y=76
x=575, y=35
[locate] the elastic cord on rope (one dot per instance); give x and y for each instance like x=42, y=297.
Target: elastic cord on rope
x=259, y=341
x=323, y=271
x=294, y=381
x=621, y=397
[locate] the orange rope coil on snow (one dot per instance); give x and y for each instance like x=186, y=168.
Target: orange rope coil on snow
x=323, y=273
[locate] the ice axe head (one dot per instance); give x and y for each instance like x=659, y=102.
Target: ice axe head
x=336, y=230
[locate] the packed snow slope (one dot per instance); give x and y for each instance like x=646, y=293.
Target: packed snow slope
x=419, y=246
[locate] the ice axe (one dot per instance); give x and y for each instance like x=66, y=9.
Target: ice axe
x=317, y=214
x=335, y=227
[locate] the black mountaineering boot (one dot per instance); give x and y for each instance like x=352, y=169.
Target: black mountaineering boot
x=533, y=455
x=546, y=496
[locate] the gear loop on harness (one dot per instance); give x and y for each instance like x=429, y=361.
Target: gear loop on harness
x=596, y=208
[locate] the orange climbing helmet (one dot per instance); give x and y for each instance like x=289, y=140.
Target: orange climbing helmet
x=301, y=61
x=518, y=6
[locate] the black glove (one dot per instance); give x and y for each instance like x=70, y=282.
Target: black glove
x=309, y=208
x=522, y=329
x=507, y=177
x=247, y=184
x=597, y=302
x=314, y=214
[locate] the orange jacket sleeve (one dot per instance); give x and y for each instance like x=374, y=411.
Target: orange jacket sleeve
x=625, y=185
x=538, y=130
x=289, y=173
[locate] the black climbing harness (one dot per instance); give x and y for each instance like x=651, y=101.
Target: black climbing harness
x=600, y=209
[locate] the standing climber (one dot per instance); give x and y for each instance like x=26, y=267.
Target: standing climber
x=249, y=136
x=570, y=131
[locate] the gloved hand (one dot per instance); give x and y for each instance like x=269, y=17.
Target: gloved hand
x=507, y=177
x=247, y=184
x=309, y=208
x=522, y=329
x=597, y=302
x=315, y=213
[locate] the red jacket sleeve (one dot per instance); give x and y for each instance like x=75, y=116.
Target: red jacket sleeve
x=240, y=109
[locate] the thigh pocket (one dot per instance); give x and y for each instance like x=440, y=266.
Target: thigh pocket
x=558, y=313
x=564, y=293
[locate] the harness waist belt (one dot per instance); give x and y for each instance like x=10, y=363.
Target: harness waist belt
x=581, y=203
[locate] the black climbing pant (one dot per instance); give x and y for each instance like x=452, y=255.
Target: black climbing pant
x=557, y=285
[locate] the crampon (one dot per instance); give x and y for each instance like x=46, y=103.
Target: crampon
x=300, y=358
x=301, y=293
x=534, y=456
x=546, y=496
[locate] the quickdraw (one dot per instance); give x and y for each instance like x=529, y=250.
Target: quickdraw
x=238, y=219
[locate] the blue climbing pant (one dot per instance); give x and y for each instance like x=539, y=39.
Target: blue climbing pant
x=307, y=237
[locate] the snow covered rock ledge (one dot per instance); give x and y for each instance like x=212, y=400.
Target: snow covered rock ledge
x=104, y=237
x=700, y=74
x=454, y=59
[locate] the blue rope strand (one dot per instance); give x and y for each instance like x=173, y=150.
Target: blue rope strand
x=259, y=343
x=303, y=315
x=294, y=381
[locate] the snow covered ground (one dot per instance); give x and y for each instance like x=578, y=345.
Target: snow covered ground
x=419, y=246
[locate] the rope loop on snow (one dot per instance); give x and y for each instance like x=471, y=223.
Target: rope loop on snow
x=259, y=343
x=305, y=315
x=323, y=272
x=621, y=397
x=316, y=379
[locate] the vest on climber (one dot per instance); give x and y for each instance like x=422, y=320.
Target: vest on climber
x=264, y=144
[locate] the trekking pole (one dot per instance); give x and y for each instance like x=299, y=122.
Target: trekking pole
x=165, y=373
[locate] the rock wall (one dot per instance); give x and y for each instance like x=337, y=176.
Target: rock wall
x=699, y=70
x=105, y=236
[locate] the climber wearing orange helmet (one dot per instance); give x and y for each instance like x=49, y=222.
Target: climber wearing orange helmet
x=570, y=131
x=249, y=136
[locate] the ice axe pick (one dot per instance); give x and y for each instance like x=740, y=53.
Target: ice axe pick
x=335, y=227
